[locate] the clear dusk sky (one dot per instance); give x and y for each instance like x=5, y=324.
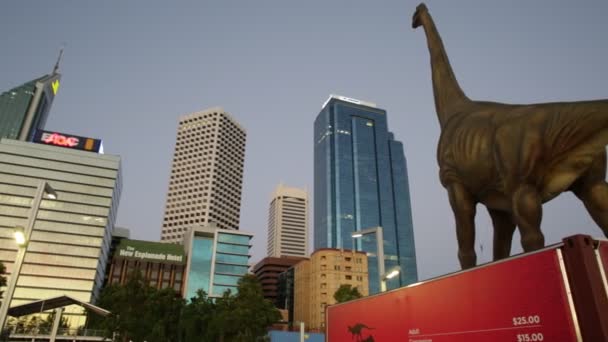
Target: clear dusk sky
x=132, y=67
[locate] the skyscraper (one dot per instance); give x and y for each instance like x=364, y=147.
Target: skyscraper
x=25, y=108
x=288, y=222
x=361, y=182
x=206, y=175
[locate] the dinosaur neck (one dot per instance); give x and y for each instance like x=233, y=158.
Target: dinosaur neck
x=445, y=86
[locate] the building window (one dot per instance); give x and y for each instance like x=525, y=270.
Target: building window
x=348, y=277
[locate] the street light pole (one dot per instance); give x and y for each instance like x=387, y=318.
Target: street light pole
x=379, y=251
x=27, y=233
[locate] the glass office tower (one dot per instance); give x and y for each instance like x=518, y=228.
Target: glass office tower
x=361, y=182
x=24, y=109
x=217, y=259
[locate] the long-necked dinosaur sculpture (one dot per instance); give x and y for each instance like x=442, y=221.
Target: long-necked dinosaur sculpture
x=513, y=158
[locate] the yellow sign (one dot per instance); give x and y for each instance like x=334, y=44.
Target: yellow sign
x=55, y=86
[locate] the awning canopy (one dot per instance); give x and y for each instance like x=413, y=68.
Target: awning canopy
x=53, y=303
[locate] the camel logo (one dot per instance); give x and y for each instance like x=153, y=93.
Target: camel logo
x=357, y=331
x=55, y=86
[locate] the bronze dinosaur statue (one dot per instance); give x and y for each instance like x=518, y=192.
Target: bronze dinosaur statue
x=513, y=158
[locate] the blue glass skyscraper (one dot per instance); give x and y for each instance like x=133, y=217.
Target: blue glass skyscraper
x=361, y=182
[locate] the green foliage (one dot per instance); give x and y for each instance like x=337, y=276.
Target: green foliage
x=2, y=279
x=141, y=313
x=243, y=316
x=346, y=292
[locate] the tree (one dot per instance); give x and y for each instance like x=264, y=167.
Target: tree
x=2, y=279
x=243, y=316
x=253, y=313
x=4, y=333
x=140, y=312
x=346, y=292
x=196, y=317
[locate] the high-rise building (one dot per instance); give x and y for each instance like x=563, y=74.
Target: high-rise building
x=206, y=174
x=217, y=259
x=69, y=246
x=24, y=109
x=288, y=222
x=267, y=272
x=317, y=280
x=361, y=182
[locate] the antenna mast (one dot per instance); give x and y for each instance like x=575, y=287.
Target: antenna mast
x=56, y=68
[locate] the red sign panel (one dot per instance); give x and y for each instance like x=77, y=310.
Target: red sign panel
x=519, y=300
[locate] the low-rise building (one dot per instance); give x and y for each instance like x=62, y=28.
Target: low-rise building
x=285, y=293
x=316, y=280
x=161, y=264
x=267, y=271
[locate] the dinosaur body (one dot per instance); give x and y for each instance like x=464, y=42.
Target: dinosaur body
x=513, y=158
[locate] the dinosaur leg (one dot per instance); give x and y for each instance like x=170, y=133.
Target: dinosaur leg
x=595, y=198
x=463, y=206
x=503, y=233
x=593, y=191
x=528, y=212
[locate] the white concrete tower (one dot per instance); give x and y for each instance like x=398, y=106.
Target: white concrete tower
x=288, y=222
x=206, y=174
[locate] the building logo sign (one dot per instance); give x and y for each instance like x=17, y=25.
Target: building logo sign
x=150, y=251
x=55, y=86
x=68, y=141
x=59, y=140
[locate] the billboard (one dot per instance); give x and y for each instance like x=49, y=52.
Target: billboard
x=524, y=299
x=68, y=141
x=150, y=251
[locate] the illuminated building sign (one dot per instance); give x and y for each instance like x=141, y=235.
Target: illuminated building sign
x=55, y=86
x=151, y=251
x=68, y=141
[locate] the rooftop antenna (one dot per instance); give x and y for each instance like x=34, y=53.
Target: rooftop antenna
x=56, y=68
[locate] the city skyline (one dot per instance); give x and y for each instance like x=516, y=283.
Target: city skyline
x=131, y=69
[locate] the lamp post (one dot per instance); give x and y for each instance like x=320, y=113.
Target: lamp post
x=379, y=249
x=22, y=237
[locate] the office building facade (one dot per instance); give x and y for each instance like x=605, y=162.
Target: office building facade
x=317, y=280
x=25, y=108
x=68, y=250
x=361, y=182
x=206, y=174
x=217, y=259
x=286, y=293
x=267, y=272
x=288, y=222
x=161, y=265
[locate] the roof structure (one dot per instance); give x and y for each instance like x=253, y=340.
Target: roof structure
x=53, y=303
